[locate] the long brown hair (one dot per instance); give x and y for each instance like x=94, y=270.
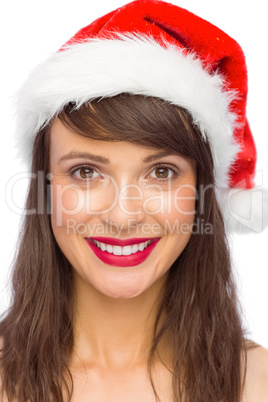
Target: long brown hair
x=200, y=309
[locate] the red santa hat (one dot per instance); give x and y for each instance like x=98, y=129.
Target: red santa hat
x=154, y=48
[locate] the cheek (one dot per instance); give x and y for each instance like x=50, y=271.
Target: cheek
x=66, y=204
x=177, y=222
x=75, y=204
x=178, y=203
x=69, y=220
x=184, y=203
x=80, y=203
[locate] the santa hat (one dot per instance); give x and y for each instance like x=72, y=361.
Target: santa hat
x=154, y=48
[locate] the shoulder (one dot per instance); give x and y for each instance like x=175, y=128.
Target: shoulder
x=256, y=381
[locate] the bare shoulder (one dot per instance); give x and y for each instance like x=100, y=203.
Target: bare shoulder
x=256, y=383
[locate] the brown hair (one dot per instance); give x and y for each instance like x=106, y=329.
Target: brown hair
x=199, y=307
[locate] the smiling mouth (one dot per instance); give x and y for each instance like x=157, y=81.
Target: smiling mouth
x=122, y=253
x=119, y=250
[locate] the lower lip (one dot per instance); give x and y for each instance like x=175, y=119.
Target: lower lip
x=123, y=260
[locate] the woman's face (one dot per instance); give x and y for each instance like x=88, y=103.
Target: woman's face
x=121, y=213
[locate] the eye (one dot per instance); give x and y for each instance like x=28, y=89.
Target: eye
x=84, y=173
x=162, y=172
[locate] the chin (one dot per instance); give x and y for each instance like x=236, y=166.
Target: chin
x=127, y=289
x=122, y=293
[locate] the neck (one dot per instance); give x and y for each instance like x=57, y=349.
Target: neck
x=113, y=332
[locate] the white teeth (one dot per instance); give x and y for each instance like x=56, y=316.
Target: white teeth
x=141, y=246
x=109, y=248
x=118, y=250
x=126, y=250
x=135, y=248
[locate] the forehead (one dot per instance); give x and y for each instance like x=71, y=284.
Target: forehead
x=63, y=140
x=67, y=145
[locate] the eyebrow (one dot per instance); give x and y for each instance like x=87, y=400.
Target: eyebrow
x=105, y=161
x=84, y=155
x=159, y=155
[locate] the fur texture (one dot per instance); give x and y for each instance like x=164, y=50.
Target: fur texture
x=134, y=64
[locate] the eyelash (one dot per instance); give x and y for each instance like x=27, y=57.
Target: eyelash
x=76, y=169
x=163, y=166
x=86, y=167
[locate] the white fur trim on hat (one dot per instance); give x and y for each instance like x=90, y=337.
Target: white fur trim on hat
x=137, y=65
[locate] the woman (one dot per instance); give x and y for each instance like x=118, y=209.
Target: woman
x=122, y=285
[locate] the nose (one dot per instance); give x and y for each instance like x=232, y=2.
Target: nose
x=127, y=210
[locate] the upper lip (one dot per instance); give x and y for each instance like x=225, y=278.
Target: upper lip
x=120, y=242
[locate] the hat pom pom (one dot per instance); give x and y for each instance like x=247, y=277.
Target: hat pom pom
x=244, y=210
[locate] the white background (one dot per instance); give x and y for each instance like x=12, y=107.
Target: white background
x=32, y=30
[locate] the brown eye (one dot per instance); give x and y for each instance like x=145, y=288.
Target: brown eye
x=86, y=173
x=162, y=172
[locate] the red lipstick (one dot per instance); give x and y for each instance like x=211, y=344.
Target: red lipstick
x=122, y=253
